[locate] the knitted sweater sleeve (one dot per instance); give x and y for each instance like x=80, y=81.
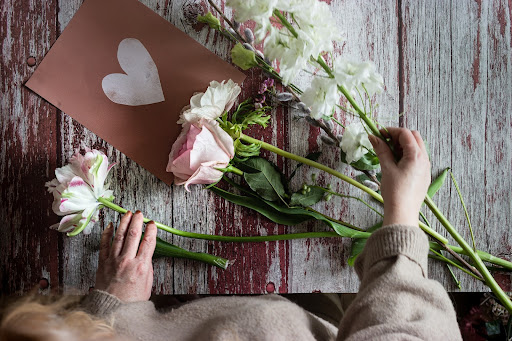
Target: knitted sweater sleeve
x=396, y=300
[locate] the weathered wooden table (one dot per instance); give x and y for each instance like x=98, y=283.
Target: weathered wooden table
x=447, y=66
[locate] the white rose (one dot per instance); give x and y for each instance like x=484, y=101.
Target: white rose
x=218, y=98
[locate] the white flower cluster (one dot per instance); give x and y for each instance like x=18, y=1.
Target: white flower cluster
x=313, y=24
x=312, y=34
x=354, y=75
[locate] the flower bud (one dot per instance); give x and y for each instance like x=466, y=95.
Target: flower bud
x=304, y=108
x=371, y=185
x=260, y=54
x=284, y=96
x=313, y=177
x=249, y=47
x=327, y=140
x=236, y=24
x=329, y=124
x=232, y=32
x=249, y=36
x=328, y=197
x=312, y=121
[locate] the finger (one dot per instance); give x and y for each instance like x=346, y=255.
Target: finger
x=419, y=140
x=106, y=238
x=148, y=244
x=383, y=152
x=131, y=243
x=409, y=144
x=117, y=244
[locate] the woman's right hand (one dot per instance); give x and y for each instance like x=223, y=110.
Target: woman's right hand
x=404, y=183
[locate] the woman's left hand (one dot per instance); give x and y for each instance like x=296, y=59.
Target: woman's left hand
x=125, y=269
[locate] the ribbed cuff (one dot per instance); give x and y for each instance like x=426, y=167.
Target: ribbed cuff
x=100, y=303
x=394, y=240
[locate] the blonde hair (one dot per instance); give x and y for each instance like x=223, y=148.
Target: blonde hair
x=42, y=318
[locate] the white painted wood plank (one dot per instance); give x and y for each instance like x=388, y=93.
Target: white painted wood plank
x=371, y=34
x=447, y=85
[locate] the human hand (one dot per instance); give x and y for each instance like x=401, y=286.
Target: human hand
x=404, y=184
x=122, y=270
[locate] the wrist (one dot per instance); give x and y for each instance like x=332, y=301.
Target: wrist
x=402, y=218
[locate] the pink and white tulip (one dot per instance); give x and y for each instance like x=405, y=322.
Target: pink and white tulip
x=199, y=152
x=76, y=190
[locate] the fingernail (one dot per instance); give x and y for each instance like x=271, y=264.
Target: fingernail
x=372, y=140
x=151, y=222
x=138, y=212
x=110, y=225
x=128, y=212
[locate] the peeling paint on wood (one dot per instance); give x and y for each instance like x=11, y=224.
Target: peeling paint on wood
x=446, y=64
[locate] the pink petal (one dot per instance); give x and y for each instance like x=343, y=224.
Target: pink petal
x=206, y=174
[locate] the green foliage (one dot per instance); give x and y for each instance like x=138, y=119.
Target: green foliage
x=367, y=162
x=242, y=57
x=437, y=183
x=309, y=198
x=244, y=151
x=282, y=214
x=265, y=179
x=311, y=156
x=209, y=19
x=358, y=244
x=165, y=249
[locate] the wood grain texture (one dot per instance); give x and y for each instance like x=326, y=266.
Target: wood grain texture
x=457, y=88
x=456, y=78
x=28, y=251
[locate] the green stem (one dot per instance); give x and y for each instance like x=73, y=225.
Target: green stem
x=185, y=234
x=164, y=249
x=349, y=197
x=286, y=23
x=479, y=264
x=337, y=174
x=320, y=60
x=233, y=169
x=439, y=256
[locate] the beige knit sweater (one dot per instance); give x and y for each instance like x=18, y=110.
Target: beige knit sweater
x=396, y=301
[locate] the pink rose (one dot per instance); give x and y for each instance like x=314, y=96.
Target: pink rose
x=200, y=150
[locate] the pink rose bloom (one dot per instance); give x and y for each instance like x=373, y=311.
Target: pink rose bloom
x=198, y=153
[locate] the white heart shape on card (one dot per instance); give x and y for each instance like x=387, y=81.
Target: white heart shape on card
x=140, y=85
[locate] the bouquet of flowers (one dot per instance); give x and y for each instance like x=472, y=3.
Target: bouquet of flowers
x=214, y=143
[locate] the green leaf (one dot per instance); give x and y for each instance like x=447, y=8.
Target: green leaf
x=285, y=215
x=437, y=183
x=209, y=19
x=266, y=181
x=311, y=156
x=243, y=150
x=493, y=328
x=261, y=207
x=367, y=162
x=358, y=244
x=243, y=58
x=165, y=249
x=308, y=199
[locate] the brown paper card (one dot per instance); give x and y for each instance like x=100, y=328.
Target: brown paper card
x=125, y=73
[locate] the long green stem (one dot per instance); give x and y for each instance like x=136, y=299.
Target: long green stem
x=479, y=264
x=348, y=197
x=439, y=256
x=337, y=174
x=186, y=234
